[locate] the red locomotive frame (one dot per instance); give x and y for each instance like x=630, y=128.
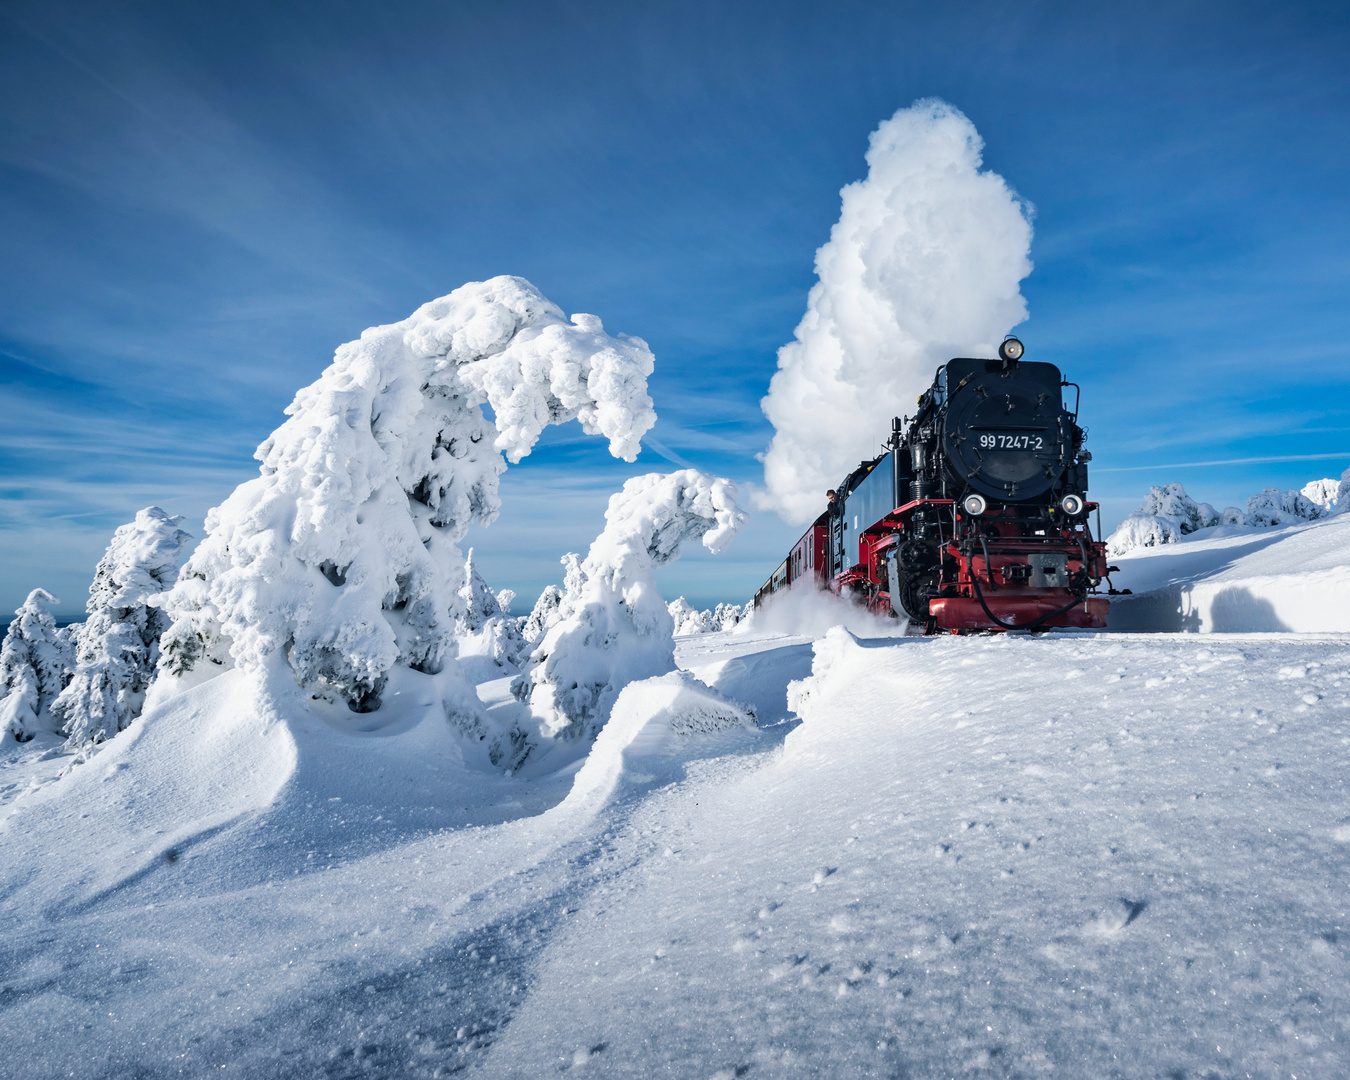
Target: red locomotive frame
x=997, y=571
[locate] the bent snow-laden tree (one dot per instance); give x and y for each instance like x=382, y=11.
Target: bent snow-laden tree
x=118, y=645
x=35, y=665
x=613, y=628
x=340, y=559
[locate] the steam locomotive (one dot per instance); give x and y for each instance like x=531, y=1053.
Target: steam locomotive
x=976, y=518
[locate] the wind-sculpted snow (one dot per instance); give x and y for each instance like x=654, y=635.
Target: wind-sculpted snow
x=35, y=665
x=924, y=264
x=613, y=628
x=340, y=559
x=118, y=646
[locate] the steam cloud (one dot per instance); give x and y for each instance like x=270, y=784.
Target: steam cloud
x=924, y=264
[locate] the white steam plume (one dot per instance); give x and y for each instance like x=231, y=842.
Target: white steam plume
x=924, y=264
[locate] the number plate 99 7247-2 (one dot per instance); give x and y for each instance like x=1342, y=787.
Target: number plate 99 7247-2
x=993, y=440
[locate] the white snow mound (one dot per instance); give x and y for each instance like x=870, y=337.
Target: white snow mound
x=650, y=720
x=1240, y=579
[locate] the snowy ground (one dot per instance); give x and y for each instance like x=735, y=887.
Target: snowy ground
x=1112, y=855
x=1240, y=578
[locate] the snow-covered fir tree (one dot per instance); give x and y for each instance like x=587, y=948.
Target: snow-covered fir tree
x=35, y=664
x=118, y=646
x=486, y=628
x=477, y=600
x=687, y=618
x=613, y=628
x=341, y=559
x=545, y=611
x=728, y=616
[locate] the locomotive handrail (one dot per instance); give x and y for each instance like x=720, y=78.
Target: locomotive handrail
x=1077, y=397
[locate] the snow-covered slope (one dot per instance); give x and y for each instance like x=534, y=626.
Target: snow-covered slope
x=1073, y=855
x=1238, y=578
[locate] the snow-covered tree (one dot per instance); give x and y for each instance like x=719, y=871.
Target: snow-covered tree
x=119, y=645
x=1167, y=515
x=687, y=618
x=35, y=664
x=486, y=629
x=613, y=627
x=1275, y=507
x=478, y=602
x=728, y=616
x=340, y=559
x=545, y=611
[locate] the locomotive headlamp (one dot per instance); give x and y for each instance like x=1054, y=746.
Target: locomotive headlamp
x=1072, y=505
x=974, y=505
x=1012, y=349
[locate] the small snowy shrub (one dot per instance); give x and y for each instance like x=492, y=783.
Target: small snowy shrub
x=687, y=619
x=340, y=559
x=613, y=627
x=119, y=644
x=35, y=665
x=1233, y=516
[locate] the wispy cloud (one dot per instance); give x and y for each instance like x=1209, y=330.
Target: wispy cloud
x=1339, y=455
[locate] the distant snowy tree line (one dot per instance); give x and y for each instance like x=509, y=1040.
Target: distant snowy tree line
x=340, y=560
x=1168, y=513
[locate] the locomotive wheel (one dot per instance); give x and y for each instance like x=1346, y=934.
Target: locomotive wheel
x=915, y=592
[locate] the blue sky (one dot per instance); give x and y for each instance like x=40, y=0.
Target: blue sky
x=199, y=203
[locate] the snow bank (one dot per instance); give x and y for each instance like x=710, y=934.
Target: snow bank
x=1295, y=578
x=340, y=559
x=924, y=264
x=613, y=627
x=35, y=664
x=118, y=646
x=650, y=720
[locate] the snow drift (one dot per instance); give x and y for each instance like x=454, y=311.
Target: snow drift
x=340, y=559
x=924, y=264
x=1240, y=579
x=612, y=626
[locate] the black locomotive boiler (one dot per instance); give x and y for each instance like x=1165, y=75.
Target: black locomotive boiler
x=976, y=518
